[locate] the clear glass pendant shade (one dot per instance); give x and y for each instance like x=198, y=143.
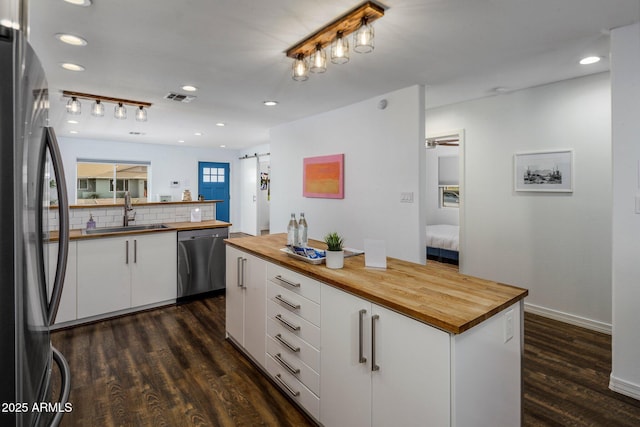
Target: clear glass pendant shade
x=73, y=106
x=141, y=114
x=120, y=112
x=97, y=109
x=363, y=37
x=300, y=69
x=340, y=49
x=318, y=60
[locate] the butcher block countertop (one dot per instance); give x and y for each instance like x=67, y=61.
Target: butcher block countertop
x=441, y=298
x=77, y=234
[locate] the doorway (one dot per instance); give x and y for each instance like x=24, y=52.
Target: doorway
x=445, y=197
x=213, y=184
x=255, y=192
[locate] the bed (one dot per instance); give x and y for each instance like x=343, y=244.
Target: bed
x=442, y=243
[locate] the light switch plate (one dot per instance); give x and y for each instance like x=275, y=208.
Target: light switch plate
x=406, y=197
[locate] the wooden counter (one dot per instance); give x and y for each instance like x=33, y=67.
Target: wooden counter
x=77, y=234
x=445, y=299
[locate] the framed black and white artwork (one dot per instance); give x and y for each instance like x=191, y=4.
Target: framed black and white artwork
x=544, y=171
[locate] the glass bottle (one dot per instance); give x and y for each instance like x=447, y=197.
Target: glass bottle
x=292, y=231
x=302, y=231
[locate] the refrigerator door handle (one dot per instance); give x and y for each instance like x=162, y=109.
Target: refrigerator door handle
x=63, y=203
x=65, y=386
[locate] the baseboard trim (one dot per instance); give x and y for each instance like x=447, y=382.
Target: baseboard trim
x=624, y=387
x=572, y=319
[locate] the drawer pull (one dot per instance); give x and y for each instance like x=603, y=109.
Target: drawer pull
x=361, y=358
x=287, y=323
x=286, y=365
x=287, y=386
x=286, y=343
x=287, y=282
x=288, y=303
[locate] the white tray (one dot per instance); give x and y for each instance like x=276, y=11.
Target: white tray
x=304, y=258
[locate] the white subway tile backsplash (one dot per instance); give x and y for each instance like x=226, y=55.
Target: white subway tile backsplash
x=112, y=216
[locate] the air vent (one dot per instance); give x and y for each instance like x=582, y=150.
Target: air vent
x=179, y=97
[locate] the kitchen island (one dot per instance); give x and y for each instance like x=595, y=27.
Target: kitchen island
x=360, y=346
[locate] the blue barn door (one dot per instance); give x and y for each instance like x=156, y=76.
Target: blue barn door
x=213, y=184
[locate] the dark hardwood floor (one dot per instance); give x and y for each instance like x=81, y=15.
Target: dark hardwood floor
x=173, y=367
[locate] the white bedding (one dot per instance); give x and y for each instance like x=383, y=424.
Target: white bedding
x=443, y=236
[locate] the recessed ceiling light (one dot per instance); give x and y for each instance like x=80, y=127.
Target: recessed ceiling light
x=220, y=124
x=181, y=141
x=270, y=103
x=73, y=131
x=189, y=88
x=590, y=60
x=71, y=39
x=79, y=2
x=72, y=67
x=198, y=134
x=73, y=122
x=223, y=146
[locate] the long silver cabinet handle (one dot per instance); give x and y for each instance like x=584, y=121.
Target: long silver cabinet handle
x=286, y=365
x=239, y=268
x=287, y=386
x=287, y=323
x=287, y=303
x=287, y=343
x=244, y=271
x=374, y=365
x=361, y=358
x=126, y=252
x=287, y=282
x=135, y=251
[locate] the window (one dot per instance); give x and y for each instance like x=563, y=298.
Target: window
x=449, y=196
x=213, y=175
x=105, y=181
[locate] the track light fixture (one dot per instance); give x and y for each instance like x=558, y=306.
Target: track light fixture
x=97, y=109
x=358, y=21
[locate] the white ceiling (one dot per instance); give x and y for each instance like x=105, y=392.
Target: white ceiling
x=232, y=50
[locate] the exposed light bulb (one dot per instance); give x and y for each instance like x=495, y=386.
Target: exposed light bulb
x=340, y=49
x=363, y=37
x=74, y=106
x=300, y=68
x=120, y=111
x=141, y=114
x=98, y=109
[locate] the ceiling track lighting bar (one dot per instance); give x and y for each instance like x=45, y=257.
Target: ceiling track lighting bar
x=346, y=24
x=79, y=95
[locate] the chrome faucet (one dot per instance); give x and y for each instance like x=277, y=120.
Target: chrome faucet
x=128, y=207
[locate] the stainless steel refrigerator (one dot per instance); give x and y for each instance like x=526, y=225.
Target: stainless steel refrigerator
x=28, y=299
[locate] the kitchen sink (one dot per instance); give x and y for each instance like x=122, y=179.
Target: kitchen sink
x=123, y=229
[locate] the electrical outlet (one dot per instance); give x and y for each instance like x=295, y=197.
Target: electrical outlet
x=508, y=325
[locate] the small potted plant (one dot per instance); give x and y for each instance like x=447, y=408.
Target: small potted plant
x=334, y=253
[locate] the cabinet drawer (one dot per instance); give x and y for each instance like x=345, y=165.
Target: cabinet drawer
x=294, y=388
x=295, y=282
x=301, y=349
x=294, y=303
x=294, y=365
x=294, y=323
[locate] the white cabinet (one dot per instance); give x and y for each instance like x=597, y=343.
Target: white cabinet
x=154, y=268
x=104, y=283
x=245, y=302
x=116, y=273
x=67, y=308
x=293, y=335
x=379, y=367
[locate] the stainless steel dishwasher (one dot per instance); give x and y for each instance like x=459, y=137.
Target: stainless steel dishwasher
x=201, y=261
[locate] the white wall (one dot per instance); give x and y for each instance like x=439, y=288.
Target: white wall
x=384, y=156
x=558, y=245
x=625, y=87
x=168, y=162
